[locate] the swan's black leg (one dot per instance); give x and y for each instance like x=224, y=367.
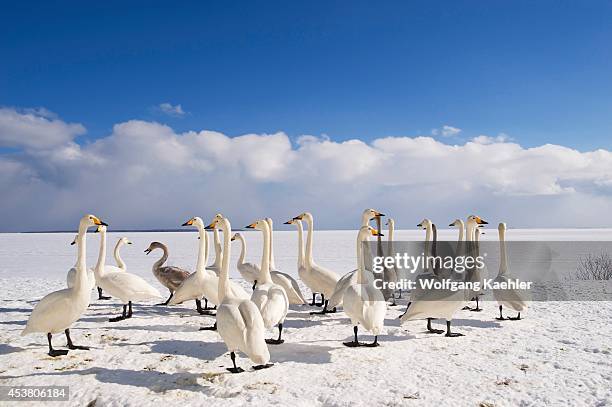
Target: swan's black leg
x=431, y=330
x=477, y=309
x=55, y=352
x=517, y=318
x=449, y=333
x=314, y=296
x=120, y=317
x=234, y=369
x=407, y=306
x=323, y=302
x=200, y=310
x=373, y=344
x=279, y=340
x=209, y=328
x=255, y=285
x=206, y=307
x=355, y=343
x=129, y=315
x=324, y=310
x=168, y=300
x=102, y=297
x=399, y=297
x=501, y=316
x=72, y=345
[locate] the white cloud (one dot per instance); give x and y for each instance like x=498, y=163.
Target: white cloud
x=172, y=110
x=446, y=131
x=35, y=129
x=144, y=174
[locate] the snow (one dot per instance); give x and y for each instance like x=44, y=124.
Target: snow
x=560, y=353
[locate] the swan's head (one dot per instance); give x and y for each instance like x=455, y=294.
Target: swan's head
x=153, y=246
x=371, y=213
x=270, y=222
x=366, y=231
x=425, y=224
x=195, y=221
x=477, y=220
x=74, y=240
x=92, y=220
x=216, y=222
x=501, y=227
x=390, y=222
x=456, y=223
x=125, y=240
x=236, y=236
x=302, y=216
x=260, y=224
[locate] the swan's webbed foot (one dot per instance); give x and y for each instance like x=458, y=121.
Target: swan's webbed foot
x=466, y=308
x=275, y=341
x=260, y=367
x=450, y=334
x=352, y=344
x=235, y=369
x=404, y=313
x=167, y=301
x=203, y=312
x=475, y=309
x=431, y=330
x=116, y=319
x=209, y=328
x=517, y=318
x=373, y=344
x=102, y=297
x=123, y=315
x=71, y=345
x=57, y=352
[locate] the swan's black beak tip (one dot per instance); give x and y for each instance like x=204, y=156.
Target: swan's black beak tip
x=147, y=251
x=185, y=224
x=72, y=244
x=103, y=224
x=249, y=227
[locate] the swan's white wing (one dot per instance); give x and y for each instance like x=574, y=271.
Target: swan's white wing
x=129, y=287
x=291, y=287
x=55, y=312
x=345, y=281
x=248, y=271
x=254, y=340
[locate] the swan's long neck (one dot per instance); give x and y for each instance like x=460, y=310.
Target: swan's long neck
x=300, y=244
x=242, y=250
x=264, y=273
x=461, y=231
x=117, y=254
x=99, y=270
x=470, y=227
x=202, y=250
x=163, y=258
x=217, y=244
x=224, y=274
x=427, y=238
x=309, y=260
x=81, y=264
x=390, y=238
x=503, y=261
x=361, y=241
x=271, y=233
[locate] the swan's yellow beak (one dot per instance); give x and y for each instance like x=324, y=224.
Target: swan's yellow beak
x=289, y=222
x=189, y=222
x=97, y=221
x=376, y=213
x=252, y=226
x=299, y=217
x=376, y=232
x=481, y=221
x=212, y=225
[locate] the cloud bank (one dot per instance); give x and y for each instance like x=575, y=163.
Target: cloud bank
x=145, y=175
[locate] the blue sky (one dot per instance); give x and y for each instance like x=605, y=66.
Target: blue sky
x=539, y=72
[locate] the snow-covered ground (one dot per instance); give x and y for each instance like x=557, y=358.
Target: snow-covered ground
x=560, y=353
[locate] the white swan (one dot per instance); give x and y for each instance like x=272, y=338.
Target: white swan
x=71, y=276
x=317, y=278
x=400, y=274
x=510, y=298
x=351, y=277
x=270, y=298
x=248, y=271
x=474, y=274
x=239, y=321
x=434, y=303
x=301, y=261
x=57, y=311
x=121, y=284
x=289, y=284
x=363, y=303
x=203, y=282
